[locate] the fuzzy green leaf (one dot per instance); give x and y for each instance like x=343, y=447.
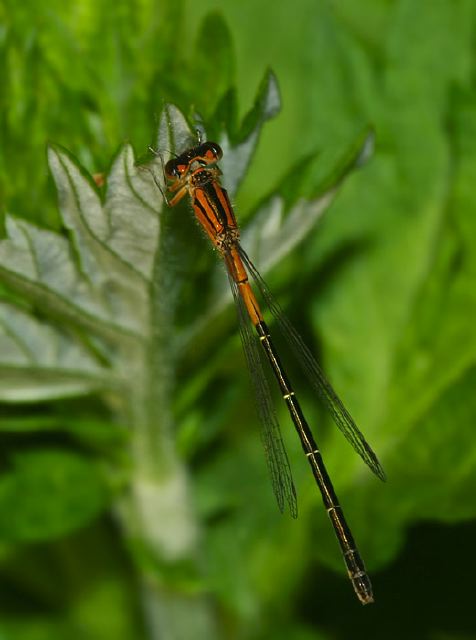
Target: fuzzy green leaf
x=40, y=361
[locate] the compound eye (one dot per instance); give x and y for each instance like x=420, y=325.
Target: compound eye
x=212, y=152
x=174, y=169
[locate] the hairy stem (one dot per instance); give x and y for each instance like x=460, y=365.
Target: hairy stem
x=158, y=516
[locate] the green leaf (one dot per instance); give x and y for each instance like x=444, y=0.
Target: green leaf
x=395, y=318
x=239, y=150
x=226, y=113
x=37, y=628
x=40, y=361
x=76, y=586
x=98, y=282
x=276, y=229
x=175, y=135
x=42, y=266
x=86, y=429
x=213, y=61
x=267, y=105
x=46, y=494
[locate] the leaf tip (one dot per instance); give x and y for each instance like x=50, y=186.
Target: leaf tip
x=368, y=147
x=52, y=151
x=272, y=96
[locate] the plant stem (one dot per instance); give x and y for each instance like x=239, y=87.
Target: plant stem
x=159, y=516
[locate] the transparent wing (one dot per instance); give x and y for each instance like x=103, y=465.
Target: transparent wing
x=276, y=456
x=316, y=376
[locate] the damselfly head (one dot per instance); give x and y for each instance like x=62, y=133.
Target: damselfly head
x=202, y=155
x=209, y=152
x=176, y=168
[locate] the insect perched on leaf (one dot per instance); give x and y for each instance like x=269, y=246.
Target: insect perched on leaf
x=195, y=173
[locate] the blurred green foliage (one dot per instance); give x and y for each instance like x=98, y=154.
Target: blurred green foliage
x=384, y=291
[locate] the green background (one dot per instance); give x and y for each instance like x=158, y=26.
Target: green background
x=383, y=291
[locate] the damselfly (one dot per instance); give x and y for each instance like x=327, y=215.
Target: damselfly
x=195, y=172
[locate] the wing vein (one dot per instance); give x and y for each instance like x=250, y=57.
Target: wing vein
x=276, y=456
x=316, y=376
